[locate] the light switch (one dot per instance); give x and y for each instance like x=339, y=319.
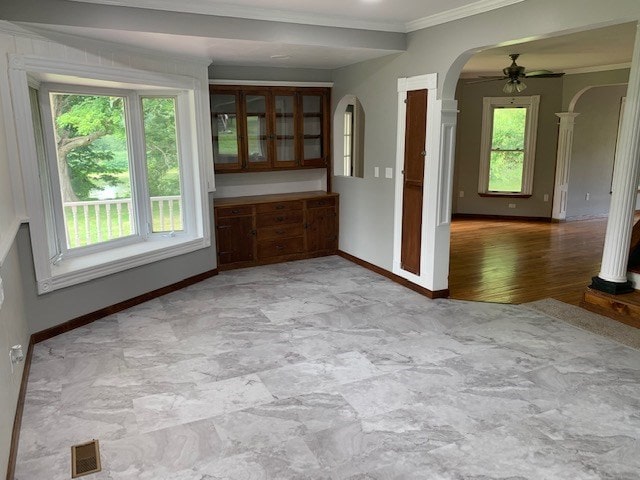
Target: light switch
x=388, y=172
x=376, y=172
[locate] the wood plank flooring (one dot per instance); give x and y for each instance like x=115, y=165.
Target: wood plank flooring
x=514, y=261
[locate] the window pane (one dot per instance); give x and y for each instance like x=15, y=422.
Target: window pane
x=225, y=129
x=163, y=163
x=509, y=128
x=505, y=171
x=256, y=109
x=93, y=166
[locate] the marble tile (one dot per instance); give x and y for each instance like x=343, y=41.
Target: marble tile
x=154, y=412
x=321, y=369
x=318, y=375
x=171, y=449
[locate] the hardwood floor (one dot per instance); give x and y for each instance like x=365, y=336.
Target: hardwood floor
x=514, y=261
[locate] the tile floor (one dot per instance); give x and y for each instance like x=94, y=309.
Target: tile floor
x=321, y=369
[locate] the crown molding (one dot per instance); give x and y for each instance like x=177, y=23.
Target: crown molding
x=206, y=7
x=481, y=6
x=599, y=68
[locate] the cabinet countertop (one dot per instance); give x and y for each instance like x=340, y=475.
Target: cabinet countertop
x=277, y=197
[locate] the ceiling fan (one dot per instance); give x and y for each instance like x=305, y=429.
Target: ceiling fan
x=514, y=74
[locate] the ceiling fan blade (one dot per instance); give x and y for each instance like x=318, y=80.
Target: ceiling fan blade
x=486, y=79
x=543, y=74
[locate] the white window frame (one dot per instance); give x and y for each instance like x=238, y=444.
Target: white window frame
x=532, y=105
x=196, y=167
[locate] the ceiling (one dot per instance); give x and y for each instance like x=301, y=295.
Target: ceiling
x=600, y=49
x=386, y=15
x=317, y=35
x=225, y=51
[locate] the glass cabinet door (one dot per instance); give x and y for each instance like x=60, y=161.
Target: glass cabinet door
x=285, y=130
x=312, y=129
x=226, y=136
x=257, y=128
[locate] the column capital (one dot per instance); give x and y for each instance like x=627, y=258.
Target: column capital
x=567, y=115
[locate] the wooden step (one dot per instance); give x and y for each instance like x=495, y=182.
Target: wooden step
x=625, y=308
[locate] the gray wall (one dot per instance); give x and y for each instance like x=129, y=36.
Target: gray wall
x=367, y=214
x=467, y=163
x=48, y=310
x=230, y=72
x=594, y=144
x=573, y=84
x=13, y=330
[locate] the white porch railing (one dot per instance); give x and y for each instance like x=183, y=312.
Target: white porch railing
x=91, y=222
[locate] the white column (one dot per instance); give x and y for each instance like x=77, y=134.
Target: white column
x=624, y=189
x=563, y=163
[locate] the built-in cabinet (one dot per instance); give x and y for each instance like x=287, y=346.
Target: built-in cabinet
x=274, y=228
x=269, y=128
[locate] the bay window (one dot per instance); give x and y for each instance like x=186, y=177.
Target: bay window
x=120, y=175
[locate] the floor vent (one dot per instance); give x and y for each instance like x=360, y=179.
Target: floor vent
x=85, y=459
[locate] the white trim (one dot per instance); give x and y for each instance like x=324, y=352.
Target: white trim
x=531, y=103
x=207, y=7
x=190, y=93
x=270, y=83
x=338, y=135
x=436, y=182
x=8, y=237
x=599, y=68
x=458, y=13
x=133, y=76
x=91, y=267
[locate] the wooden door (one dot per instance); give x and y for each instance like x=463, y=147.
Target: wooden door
x=312, y=127
x=321, y=229
x=236, y=239
x=414, y=158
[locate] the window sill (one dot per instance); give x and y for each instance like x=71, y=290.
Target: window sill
x=510, y=195
x=72, y=271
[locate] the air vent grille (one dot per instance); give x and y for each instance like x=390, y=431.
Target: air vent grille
x=85, y=459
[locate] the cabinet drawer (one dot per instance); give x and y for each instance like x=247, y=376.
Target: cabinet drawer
x=278, y=207
x=274, y=248
x=280, y=231
x=321, y=202
x=284, y=218
x=234, y=211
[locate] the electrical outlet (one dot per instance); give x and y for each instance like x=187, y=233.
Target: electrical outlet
x=512, y=205
x=546, y=197
x=388, y=172
x=376, y=172
x=587, y=196
x=461, y=195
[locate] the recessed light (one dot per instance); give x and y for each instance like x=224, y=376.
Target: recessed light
x=281, y=57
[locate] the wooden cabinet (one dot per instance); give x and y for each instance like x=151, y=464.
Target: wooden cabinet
x=274, y=228
x=269, y=128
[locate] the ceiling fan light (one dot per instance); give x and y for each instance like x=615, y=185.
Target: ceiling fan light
x=520, y=86
x=509, y=87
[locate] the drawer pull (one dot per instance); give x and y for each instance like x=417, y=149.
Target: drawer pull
x=279, y=247
x=280, y=207
x=280, y=232
x=235, y=211
x=279, y=219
